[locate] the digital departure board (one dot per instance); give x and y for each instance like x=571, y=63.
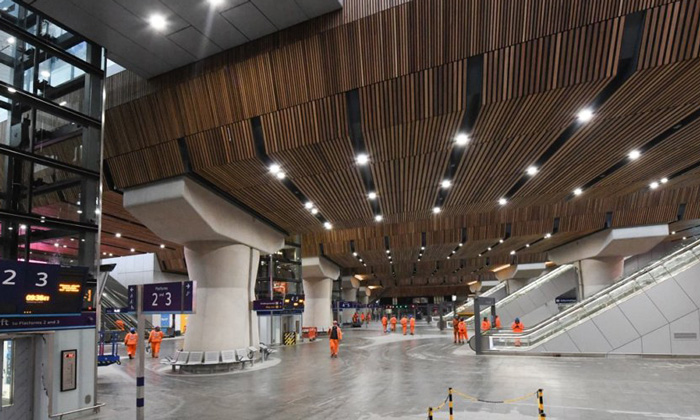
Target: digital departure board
x=30, y=289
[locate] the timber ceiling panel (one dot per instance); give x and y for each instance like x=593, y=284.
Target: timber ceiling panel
x=544, y=61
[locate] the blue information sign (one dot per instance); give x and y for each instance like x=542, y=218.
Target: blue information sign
x=165, y=298
x=30, y=289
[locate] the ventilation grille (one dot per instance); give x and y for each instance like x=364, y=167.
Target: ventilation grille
x=685, y=336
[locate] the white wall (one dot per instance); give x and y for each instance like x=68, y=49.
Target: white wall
x=140, y=269
x=47, y=380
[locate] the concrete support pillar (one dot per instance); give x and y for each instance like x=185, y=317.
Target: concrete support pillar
x=518, y=276
x=513, y=285
x=317, y=304
x=599, y=273
x=223, y=273
x=222, y=246
x=318, y=274
x=348, y=295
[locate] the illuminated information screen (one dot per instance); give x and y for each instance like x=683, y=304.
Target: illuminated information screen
x=30, y=289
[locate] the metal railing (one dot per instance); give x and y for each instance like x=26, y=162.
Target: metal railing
x=622, y=290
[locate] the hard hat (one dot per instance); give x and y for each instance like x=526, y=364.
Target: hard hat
x=132, y=330
x=517, y=320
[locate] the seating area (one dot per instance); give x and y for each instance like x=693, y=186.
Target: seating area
x=216, y=361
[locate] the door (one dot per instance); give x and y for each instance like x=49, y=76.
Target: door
x=17, y=380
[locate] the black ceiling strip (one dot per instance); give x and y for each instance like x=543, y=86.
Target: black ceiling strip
x=474, y=83
x=354, y=115
x=645, y=148
x=185, y=156
x=684, y=170
x=261, y=154
x=109, y=179
x=627, y=64
x=681, y=212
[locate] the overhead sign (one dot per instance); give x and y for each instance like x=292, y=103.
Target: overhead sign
x=30, y=289
x=46, y=323
x=165, y=298
x=268, y=305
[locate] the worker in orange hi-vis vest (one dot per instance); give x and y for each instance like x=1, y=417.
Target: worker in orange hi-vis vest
x=385, y=321
x=518, y=328
x=485, y=325
x=335, y=335
x=455, y=329
x=412, y=323
x=155, y=338
x=497, y=322
x=120, y=324
x=463, y=336
x=131, y=341
x=393, y=323
x=404, y=324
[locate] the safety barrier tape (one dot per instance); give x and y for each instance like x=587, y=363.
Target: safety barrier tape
x=509, y=401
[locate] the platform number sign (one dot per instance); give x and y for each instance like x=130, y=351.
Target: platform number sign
x=28, y=289
x=163, y=298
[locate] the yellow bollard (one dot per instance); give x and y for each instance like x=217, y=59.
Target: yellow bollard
x=540, y=404
x=450, y=398
x=430, y=413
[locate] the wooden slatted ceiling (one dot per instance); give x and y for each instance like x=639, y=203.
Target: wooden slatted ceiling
x=675, y=153
x=646, y=106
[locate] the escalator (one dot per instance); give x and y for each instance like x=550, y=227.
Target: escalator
x=640, y=314
x=115, y=295
x=497, y=292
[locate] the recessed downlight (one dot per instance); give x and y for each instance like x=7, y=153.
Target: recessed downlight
x=578, y=191
x=372, y=195
x=634, y=154
x=328, y=225
x=362, y=159
x=446, y=183
x=532, y=170
x=158, y=22
x=461, y=139
x=585, y=115
x=436, y=210
x=502, y=201
x=378, y=218
x=654, y=185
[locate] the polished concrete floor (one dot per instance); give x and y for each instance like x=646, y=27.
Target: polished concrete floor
x=395, y=377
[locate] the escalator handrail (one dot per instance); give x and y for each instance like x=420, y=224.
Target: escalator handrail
x=529, y=332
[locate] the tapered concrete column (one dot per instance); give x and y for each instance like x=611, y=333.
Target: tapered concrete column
x=599, y=273
x=601, y=255
x=518, y=276
x=349, y=294
x=362, y=296
x=318, y=274
x=223, y=294
x=222, y=246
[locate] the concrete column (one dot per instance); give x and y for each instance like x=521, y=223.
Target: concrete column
x=318, y=274
x=599, y=273
x=317, y=304
x=518, y=276
x=349, y=295
x=222, y=246
x=223, y=273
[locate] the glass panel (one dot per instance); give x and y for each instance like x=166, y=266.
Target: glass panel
x=58, y=139
x=7, y=374
x=56, y=194
x=14, y=179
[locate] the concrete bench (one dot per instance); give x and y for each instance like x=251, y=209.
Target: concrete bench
x=265, y=351
x=180, y=359
x=211, y=358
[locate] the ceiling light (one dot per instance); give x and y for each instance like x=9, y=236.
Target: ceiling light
x=56, y=244
x=82, y=240
x=453, y=252
x=532, y=170
x=22, y=226
x=461, y=139
x=673, y=232
x=111, y=255
x=502, y=201
x=422, y=248
x=684, y=238
x=479, y=254
x=527, y=245
x=488, y=249
x=664, y=180
x=547, y=236
x=461, y=244
x=354, y=254
x=512, y=252
x=634, y=154
x=654, y=185
x=162, y=246
x=274, y=168
x=362, y=159
x=118, y=235
x=328, y=225
x=448, y=257
x=97, y=211
x=158, y=22
x=11, y=40
x=216, y=2
x=80, y=212
x=45, y=74
x=309, y=205
x=446, y=183
x=500, y=241
x=63, y=103
x=391, y=262
x=365, y=265
x=314, y=210
x=11, y=228
x=388, y=251
x=378, y=218
x=280, y=175
x=104, y=253
x=578, y=191
x=437, y=210
x=65, y=246
x=585, y=115
x=11, y=90
x=360, y=259
x=372, y=195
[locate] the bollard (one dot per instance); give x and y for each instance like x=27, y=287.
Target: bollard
x=430, y=413
x=540, y=404
x=451, y=406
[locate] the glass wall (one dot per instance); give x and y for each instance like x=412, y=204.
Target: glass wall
x=51, y=93
x=7, y=384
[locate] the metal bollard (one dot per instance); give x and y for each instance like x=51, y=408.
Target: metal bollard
x=450, y=406
x=430, y=413
x=540, y=404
